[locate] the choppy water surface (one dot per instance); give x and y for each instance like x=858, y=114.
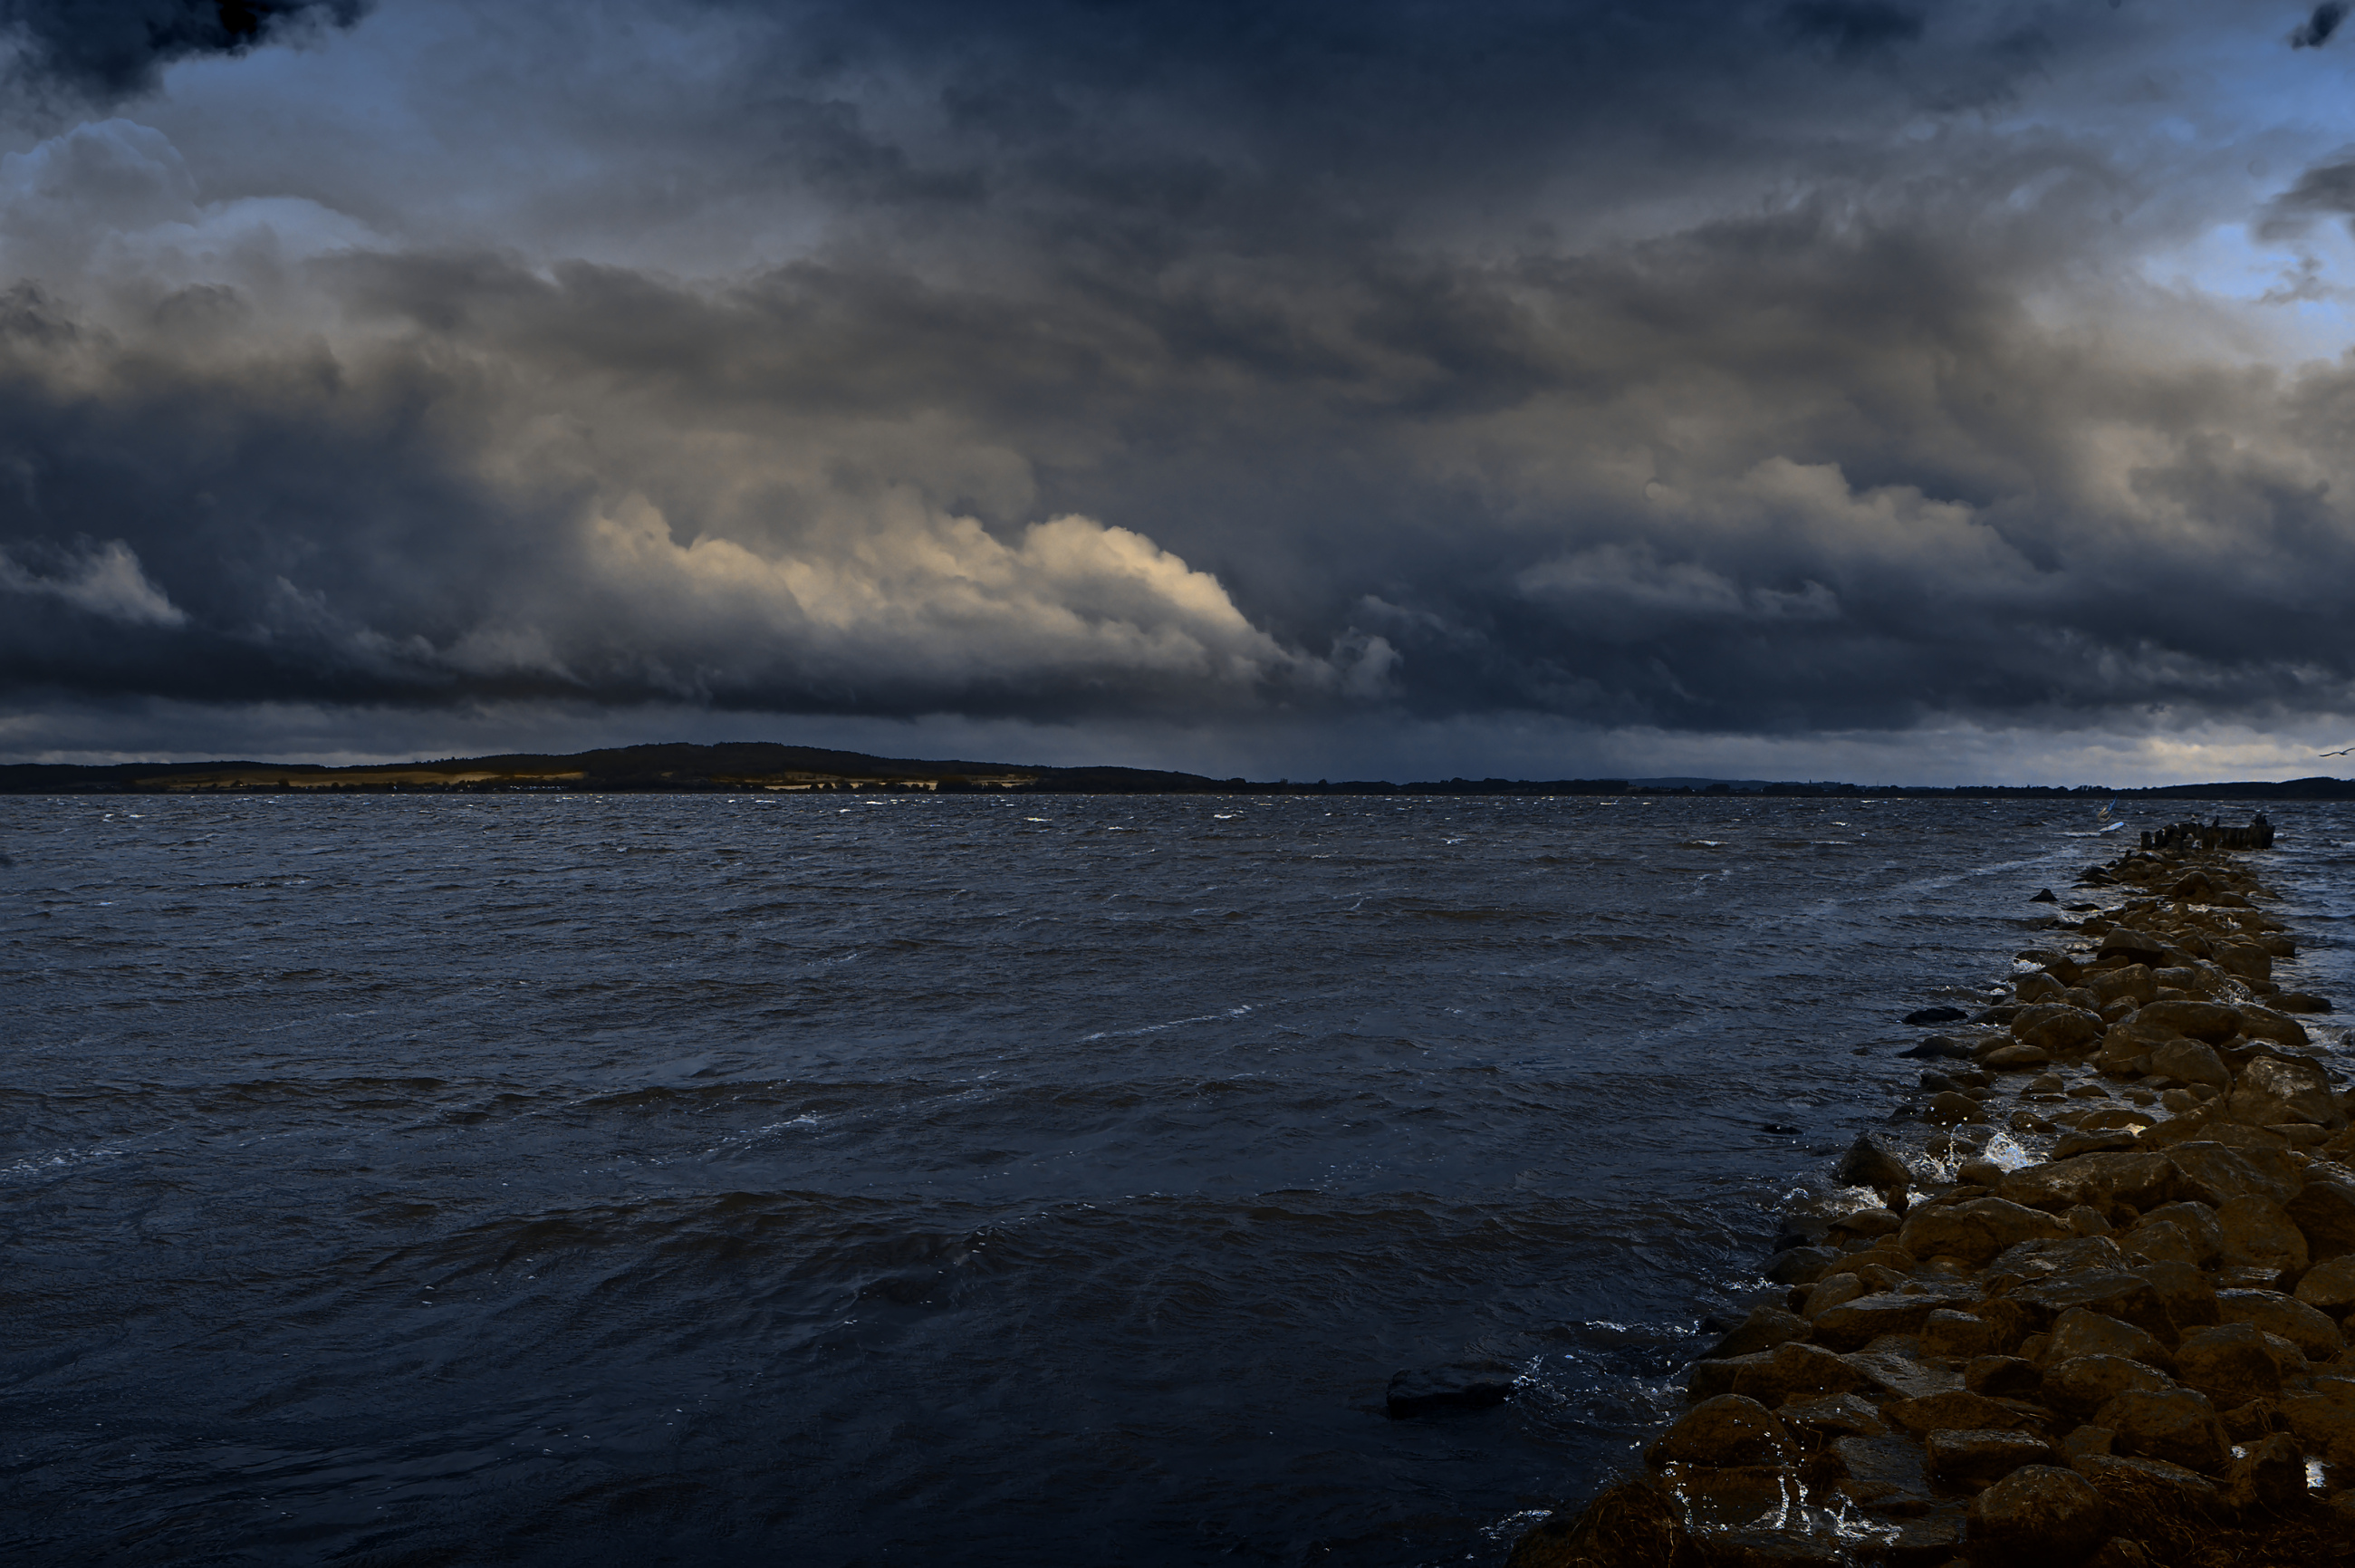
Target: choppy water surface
x=708, y=1180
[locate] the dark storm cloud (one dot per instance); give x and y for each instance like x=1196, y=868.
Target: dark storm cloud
x=2316, y=30
x=105, y=50
x=1651, y=365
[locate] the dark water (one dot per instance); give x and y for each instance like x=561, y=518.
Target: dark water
x=696, y=1180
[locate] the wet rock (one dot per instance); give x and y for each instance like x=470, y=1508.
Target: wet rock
x=1832, y=1290
x=2274, y=1024
x=1939, y=1047
x=2128, y=1482
x=2177, y=1425
x=2038, y=1514
x=2233, y=1363
x=1462, y=1385
x=2099, y=1180
x=1870, y=1163
x=2037, y=1260
x=1816, y=1422
x=2056, y=1028
x=2212, y=1021
x=1882, y=1473
x=1793, y=1370
x=1975, y=1230
x=2300, y=1002
x=2078, y=1332
x=1897, y=1375
x=1635, y=1524
x=1800, y=1265
x=2290, y=1318
x=1951, y=1108
x=2259, y=1234
x=2328, y=1287
x=2324, y=1211
x=1763, y=1330
x=2118, y=1552
x=2189, y=1062
x=2134, y=946
x=1921, y=1016
x=1928, y=1542
x=1984, y=1455
x=2323, y=1418
x=2037, y=987
x=2003, y=1378
x=1868, y=1222
x=1727, y=1430
x=2212, y=1172
x=1958, y=1409
x=2021, y=1058
x=2163, y=1299
x=2113, y=1141
x=2193, y=887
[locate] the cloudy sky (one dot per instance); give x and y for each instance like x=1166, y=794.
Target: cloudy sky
x=1797, y=388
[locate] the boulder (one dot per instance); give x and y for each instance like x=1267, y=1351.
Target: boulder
x=1868, y=1223
x=2323, y=1418
x=2134, y=946
x=2196, y=1221
x=1985, y=1454
x=1870, y=1163
x=2233, y=1363
x=2164, y=1242
x=2193, y=887
x=2292, y=1317
x=1831, y=1291
x=2019, y=1058
x=2078, y=1332
x=2245, y=959
x=2270, y=1473
x=1923, y=1017
x=1800, y=1265
x=2164, y=1299
x=2328, y=1287
x=2324, y=1211
x=1815, y=1423
x=2030, y=989
x=1958, y=1409
x=2265, y=1023
x=2189, y=1062
x=1962, y=1335
x=1978, y=1229
x=2002, y=1377
x=1727, y=1430
x=2212, y=1021
x=2038, y=1514
x=1793, y=1370
x=2042, y=1259
x=2128, y=1482
x=2057, y=1028
x=2272, y=1091
x=1951, y=1108
x=2212, y=1172
x=2177, y=1425
x=1764, y=1328
x=2131, y=984
x=2084, y=1385
x=2098, y=1180
x=1853, y=1325
x=2259, y=1234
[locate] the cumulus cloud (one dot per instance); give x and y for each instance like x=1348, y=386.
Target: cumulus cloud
x=1768, y=371
x=105, y=582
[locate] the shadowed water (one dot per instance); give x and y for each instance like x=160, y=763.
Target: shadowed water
x=690, y=1180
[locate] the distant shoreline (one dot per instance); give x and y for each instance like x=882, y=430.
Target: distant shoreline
x=763, y=767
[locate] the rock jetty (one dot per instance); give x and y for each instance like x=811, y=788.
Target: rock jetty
x=2097, y=1311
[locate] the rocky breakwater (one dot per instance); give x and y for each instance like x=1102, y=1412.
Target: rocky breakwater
x=2101, y=1316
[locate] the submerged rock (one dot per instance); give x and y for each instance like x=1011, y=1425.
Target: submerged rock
x=1461, y=1385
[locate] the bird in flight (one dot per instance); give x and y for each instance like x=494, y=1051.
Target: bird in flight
x=2343, y=752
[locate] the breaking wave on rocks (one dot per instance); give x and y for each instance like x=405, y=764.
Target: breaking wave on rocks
x=547, y=1179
